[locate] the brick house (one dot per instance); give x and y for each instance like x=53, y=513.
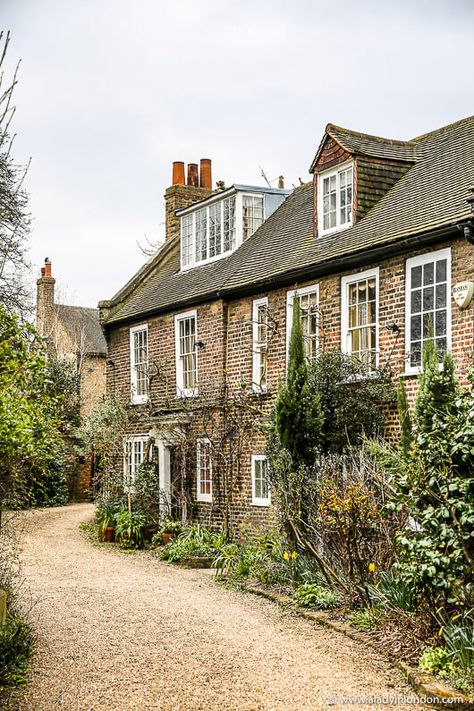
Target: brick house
x=73, y=334
x=371, y=247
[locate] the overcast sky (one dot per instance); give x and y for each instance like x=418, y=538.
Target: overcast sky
x=112, y=91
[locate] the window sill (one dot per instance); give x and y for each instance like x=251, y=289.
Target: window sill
x=139, y=400
x=334, y=230
x=261, y=503
x=204, y=499
x=186, y=394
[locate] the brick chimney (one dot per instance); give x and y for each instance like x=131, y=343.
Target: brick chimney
x=45, y=300
x=180, y=195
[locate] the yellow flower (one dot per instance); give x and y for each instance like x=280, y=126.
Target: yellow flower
x=371, y=567
x=294, y=555
x=286, y=555
x=440, y=632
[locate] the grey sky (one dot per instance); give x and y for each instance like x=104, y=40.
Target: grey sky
x=112, y=91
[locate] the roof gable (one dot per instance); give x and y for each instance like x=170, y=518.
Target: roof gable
x=355, y=143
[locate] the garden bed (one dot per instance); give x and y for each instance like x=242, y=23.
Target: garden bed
x=426, y=685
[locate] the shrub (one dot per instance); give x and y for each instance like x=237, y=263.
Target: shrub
x=195, y=540
x=312, y=595
x=130, y=528
x=434, y=484
x=16, y=642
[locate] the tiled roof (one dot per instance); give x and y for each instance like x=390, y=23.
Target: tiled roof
x=83, y=326
x=430, y=195
x=363, y=144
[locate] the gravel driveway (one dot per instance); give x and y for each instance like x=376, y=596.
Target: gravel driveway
x=120, y=632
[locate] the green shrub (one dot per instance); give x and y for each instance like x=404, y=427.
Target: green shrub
x=130, y=528
x=440, y=662
x=312, y=595
x=195, y=540
x=367, y=618
x=16, y=642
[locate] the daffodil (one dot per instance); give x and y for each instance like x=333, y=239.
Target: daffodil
x=371, y=567
x=286, y=555
x=440, y=632
x=294, y=555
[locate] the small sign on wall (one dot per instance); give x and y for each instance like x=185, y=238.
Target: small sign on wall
x=463, y=293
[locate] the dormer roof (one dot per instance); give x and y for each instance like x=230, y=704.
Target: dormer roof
x=363, y=144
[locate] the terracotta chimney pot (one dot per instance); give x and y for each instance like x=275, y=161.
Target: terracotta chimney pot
x=178, y=172
x=205, y=179
x=47, y=268
x=193, y=175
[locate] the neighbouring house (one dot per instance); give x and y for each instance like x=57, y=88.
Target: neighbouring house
x=378, y=249
x=74, y=334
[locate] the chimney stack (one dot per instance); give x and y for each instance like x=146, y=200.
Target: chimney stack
x=181, y=194
x=193, y=175
x=45, y=300
x=178, y=172
x=205, y=178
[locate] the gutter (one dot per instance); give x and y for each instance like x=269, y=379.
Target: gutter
x=325, y=268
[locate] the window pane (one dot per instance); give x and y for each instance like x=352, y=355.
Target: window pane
x=416, y=273
x=215, y=236
x=441, y=269
x=252, y=214
x=229, y=224
x=428, y=273
x=416, y=301
x=441, y=296
x=201, y=235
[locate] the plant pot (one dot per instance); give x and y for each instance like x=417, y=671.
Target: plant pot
x=167, y=537
x=108, y=536
x=150, y=532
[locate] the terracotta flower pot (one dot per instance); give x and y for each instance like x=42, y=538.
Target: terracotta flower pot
x=108, y=536
x=166, y=538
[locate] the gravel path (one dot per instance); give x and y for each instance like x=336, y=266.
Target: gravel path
x=127, y=632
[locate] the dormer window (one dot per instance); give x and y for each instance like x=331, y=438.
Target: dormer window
x=215, y=227
x=335, y=191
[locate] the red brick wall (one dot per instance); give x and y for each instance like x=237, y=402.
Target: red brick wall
x=226, y=331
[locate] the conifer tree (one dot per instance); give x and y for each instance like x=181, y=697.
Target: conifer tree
x=438, y=388
x=406, y=431
x=298, y=416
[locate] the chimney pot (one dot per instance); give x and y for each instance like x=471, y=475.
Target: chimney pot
x=281, y=182
x=178, y=172
x=47, y=268
x=193, y=175
x=205, y=179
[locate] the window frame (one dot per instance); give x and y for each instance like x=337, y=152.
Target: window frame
x=346, y=281
x=203, y=498
x=259, y=500
x=181, y=391
x=328, y=174
x=237, y=197
x=137, y=399
x=290, y=296
x=257, y=385
x=131, y=439
x=420, y=260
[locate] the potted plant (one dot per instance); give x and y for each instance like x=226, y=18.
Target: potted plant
x=170, y=529
x=106, y=522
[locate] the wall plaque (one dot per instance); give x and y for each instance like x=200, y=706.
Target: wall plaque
x=463, y=293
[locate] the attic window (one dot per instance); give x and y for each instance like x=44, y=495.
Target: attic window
x=335, y=191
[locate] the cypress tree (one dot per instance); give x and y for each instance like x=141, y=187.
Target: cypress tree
x=438, y=388
x=298, y=416
x=406, y=432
